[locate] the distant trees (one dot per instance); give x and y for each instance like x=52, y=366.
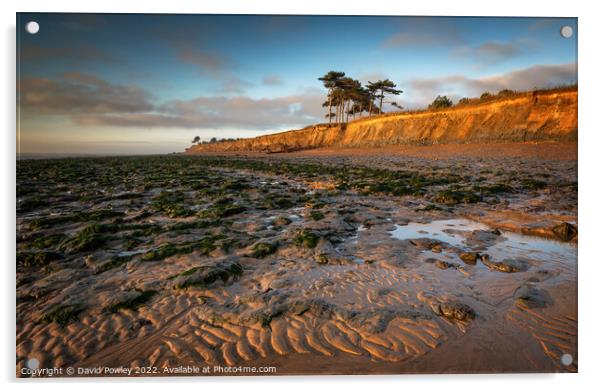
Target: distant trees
x=213, y=140
x=441, y=102
x=506, y=92
x=349, y=98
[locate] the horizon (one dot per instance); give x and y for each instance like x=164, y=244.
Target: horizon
x=132, y=84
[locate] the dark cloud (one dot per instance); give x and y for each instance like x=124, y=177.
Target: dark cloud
x=206, y=61
x=83, y=22
x=75, y=54
x=222, y=112
x=538, y=76
x=420, y=92
x=76, y=93
x=88, y=100
x=272, y=80
x=493, y=51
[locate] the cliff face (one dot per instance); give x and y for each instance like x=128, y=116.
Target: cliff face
x=534, y=116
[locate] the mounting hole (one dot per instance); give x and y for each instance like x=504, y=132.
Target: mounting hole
x=566, y=31
x=566, y=359
x=32, y=27
x=33, y=363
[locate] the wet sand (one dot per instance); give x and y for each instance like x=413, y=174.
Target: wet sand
x=383, y=263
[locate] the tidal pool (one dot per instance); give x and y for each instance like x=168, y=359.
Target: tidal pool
x=509, y=244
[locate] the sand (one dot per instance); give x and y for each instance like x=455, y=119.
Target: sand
x=383, y=289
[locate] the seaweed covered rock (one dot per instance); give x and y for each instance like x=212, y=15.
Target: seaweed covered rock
x=428, y=244
x=33, y=259
x=505, y=265
x=129, y=300
x=565, y=231
x=263, y=249
x=202, y=276
x=62, y=314
x=455, y=310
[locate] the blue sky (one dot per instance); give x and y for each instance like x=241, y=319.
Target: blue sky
x=122, y=83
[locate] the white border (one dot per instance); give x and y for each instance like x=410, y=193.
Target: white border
x=590, y=270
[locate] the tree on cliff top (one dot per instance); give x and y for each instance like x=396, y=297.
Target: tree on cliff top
x=385, y=87
x=330, y=82
x=196, y=140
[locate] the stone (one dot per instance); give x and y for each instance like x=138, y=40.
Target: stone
x=506, y=265
x=528, y=297
x=445, y=265
x=426, y=243
x=455, y=310
x=565, y=231
x=469, y=258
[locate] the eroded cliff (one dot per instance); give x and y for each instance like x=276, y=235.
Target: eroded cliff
x=532, y=116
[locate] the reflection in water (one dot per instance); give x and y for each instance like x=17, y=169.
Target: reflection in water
x=510, y=244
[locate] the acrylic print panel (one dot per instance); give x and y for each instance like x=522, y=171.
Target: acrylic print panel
x=269, y=195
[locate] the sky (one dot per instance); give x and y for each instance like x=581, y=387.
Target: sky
x=142, y=84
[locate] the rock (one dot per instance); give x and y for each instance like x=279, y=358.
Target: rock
x=281, y=221
x=469, y=258
x=436, y=248
x=322, y=259
x=445, y=265
x=528, y=297
x=427, y=244
x=565, y=231
x=202, y=276
x=496, y=232
x=506, y=265
x=455, y=310
x=263, y=249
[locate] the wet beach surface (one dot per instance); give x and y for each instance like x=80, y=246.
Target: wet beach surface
x=313, y=264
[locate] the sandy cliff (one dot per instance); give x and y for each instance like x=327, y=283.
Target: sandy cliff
x=532, y=116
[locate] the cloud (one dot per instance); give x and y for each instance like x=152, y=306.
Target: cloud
x=232, y=85
x=272, y=80
x=76, y=54
x=493, y=51
x=538, y=76
x=422, y=91
x=425, y=31
x=543, y=23
x=90, y=101
x=213, y=63
x=221, y=112
x=76, y=93
x=83, y=22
